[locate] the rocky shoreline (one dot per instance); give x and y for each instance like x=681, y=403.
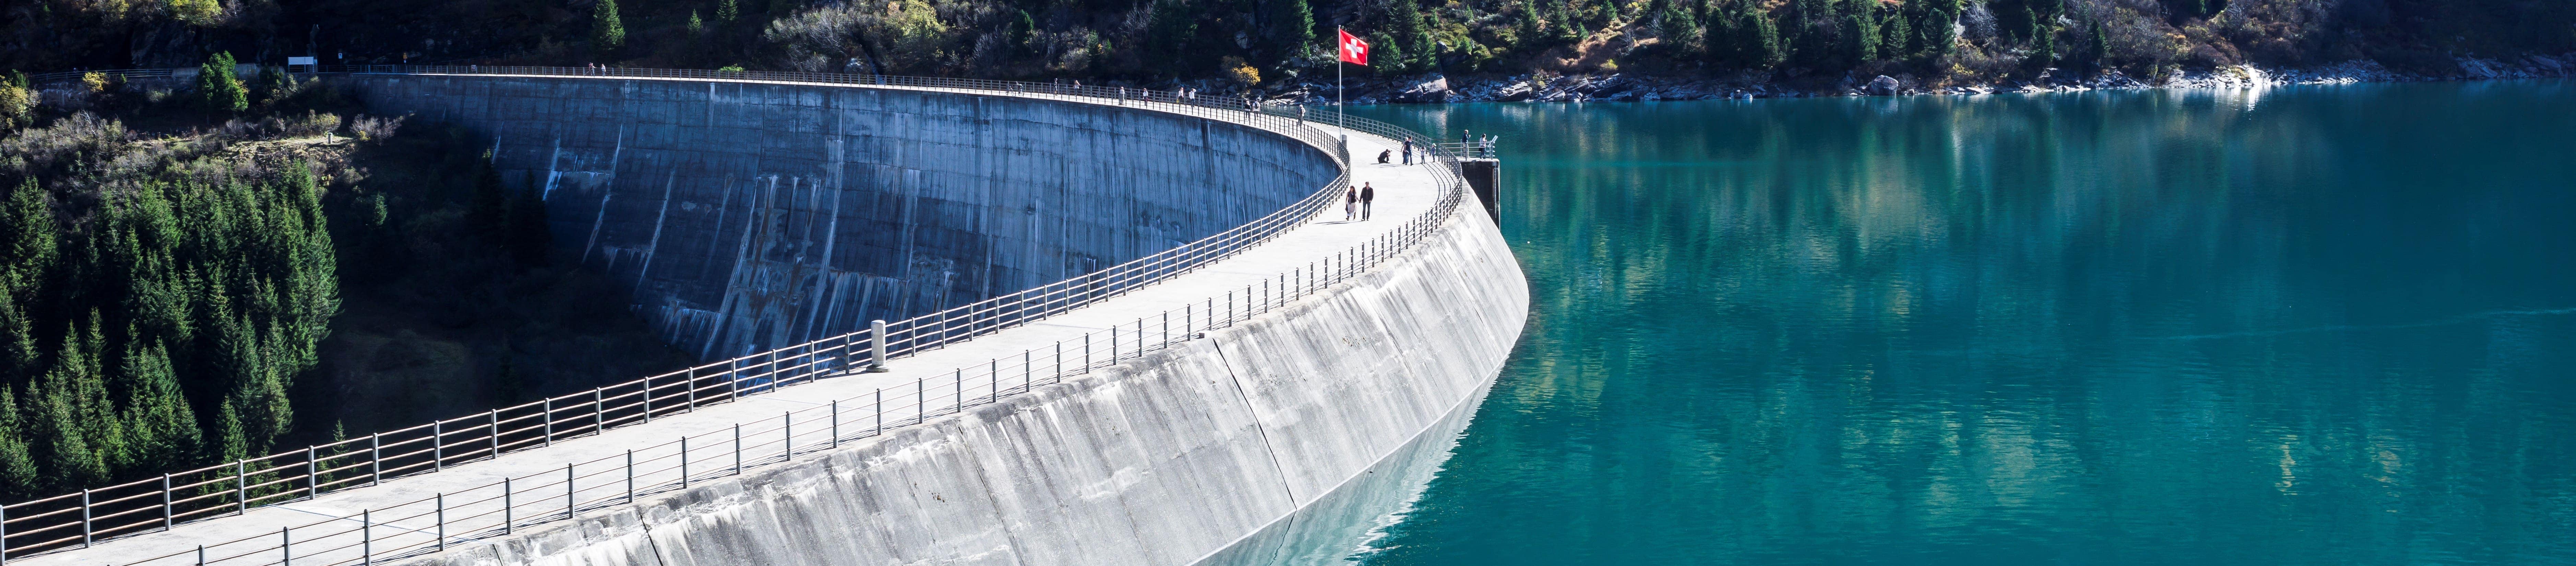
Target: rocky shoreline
x=1618, y=87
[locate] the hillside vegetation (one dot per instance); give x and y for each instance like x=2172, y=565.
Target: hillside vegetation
x=198, y=274
x=1267, y=41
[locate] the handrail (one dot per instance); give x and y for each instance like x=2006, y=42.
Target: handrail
x=236, y=487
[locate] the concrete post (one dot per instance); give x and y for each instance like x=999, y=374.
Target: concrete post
x=876, y=346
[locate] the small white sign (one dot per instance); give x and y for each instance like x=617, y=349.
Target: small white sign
x=300, y=61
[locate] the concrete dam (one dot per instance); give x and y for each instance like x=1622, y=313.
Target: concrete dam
x=753, y=215
x=1269, y=405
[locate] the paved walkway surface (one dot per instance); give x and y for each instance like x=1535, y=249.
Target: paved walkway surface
x=929, y=381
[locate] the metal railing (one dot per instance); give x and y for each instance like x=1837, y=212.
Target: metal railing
x=80, y=519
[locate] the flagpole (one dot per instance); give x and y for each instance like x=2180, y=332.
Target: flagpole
x=1340, y=114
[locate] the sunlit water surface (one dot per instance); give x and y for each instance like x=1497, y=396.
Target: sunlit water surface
x=2311, y=325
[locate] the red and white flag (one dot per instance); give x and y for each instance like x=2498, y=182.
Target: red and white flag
x=1354, y=51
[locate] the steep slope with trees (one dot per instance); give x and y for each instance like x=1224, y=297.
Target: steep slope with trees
x=1277, y=41
x=198, y=276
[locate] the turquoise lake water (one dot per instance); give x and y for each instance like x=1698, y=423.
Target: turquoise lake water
x=2307, y=325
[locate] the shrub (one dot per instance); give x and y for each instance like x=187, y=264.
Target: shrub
x=217, y=87
x=1241, y=72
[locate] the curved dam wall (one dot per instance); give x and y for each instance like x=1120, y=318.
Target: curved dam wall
x=1269, y=442
x=754, y=215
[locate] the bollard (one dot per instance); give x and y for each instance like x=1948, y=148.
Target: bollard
x=876, y=346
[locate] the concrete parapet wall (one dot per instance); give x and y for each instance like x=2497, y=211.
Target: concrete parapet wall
x=1258, y=444
x=749, y=215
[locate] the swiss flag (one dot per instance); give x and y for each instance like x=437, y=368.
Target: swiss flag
x=1354, y=51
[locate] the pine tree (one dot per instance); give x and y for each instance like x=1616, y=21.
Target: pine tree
x=2098, y=47
x=1532, y=26
x=1289, y=28
x=1939, y=36
x=221, y=91
x=727, y=11
x=607, y=33
x=1860, y=31
x=17, y=468
x=165, y=430
x=696, y=26
x=1897, y=32
x=232, y=443
x=1418, y=53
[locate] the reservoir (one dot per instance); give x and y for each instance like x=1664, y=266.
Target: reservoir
x=2298, y=325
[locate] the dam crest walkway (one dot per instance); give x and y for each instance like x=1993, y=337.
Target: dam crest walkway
x=767, y=422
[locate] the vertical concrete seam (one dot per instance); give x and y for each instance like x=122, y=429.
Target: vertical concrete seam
x=1236, y=378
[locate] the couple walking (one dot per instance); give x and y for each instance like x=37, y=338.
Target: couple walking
x=1355, y=201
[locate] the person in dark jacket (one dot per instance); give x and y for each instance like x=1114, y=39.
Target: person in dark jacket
x=1350, y=202
x=1367, y=193
x=1383, y=155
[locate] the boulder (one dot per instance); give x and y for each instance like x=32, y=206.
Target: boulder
x=1882, y=86
x=1434, y=90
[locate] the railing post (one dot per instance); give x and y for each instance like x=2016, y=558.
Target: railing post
x=286, y=546
x=442, y=521
x=375, y=458
x=630, y=477
x=836, y=423
x=312, y=474
x=366, y=536
x=684, y=462
x=572, y=502
x=737, y=449
x=241, y=485
x=880, y=411
x=495, y=423
x=509, y=515
x=598, y=409
x=169, y=510
x=648, y=399
x=692, y=388
x=549, y=420
x=437, y=445
x=85, y=530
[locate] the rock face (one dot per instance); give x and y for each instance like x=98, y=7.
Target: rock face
x=749, y=216
x=1882, y=86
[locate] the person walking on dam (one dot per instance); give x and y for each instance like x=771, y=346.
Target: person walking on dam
x=1367, y=193
x=1350, y=203
x=1408, y=151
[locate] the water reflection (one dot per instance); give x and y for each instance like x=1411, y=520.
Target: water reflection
x=2331, y=326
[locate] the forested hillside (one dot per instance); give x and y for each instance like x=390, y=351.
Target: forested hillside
x=196, y=273
x=1265, y=41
